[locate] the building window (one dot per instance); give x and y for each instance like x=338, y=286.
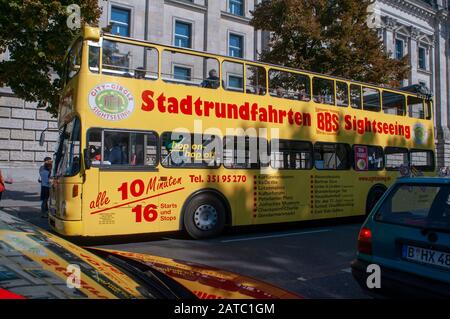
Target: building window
x=399, y=49
x=236, y=7
x=235, y=46
x=422, y=59
x=235, y=82
x=181, y=73
x=120, y=21
x=183, y=34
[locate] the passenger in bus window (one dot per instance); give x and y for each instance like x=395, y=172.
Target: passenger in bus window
x=139, y=73
x=212, y=81
x=303, y=96
x=280, y=92
x=94, y=154
x=116, y=155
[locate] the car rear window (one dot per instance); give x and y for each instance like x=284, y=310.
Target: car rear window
x=417, y=205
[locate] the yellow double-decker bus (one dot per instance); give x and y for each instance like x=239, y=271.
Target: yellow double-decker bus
x=155, y=138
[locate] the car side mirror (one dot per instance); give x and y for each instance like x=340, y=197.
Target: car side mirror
x=87, y=160
x=42, y=138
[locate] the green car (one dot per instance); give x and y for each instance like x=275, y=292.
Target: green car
x=404, y=244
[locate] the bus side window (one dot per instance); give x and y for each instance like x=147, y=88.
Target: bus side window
x=245, y=152
x=233, y=76
x=323, y=91
x=290, y=154
x=355, y=96
x=94, y=141
x=183, y=149
x=190, y=69
x=368, y=158
x=94, y=59
x=395, y=157
x=256, y=80
x=416, y=107
x=393, y=103
x=371, y=99
x=333, y=156
x=73, y=62
x=128, y=60
x=422, y=160
x=289, y=85
x=110, y=147
x=341, y=94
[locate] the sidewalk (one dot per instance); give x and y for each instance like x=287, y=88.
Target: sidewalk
x=22, y=200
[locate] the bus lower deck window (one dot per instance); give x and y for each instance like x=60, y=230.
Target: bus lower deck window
x=368, y=158
x=182, y=149
x=332, y=156
x=396, y=157
x=122, y=148
x=422, y=160
x=245, y=152
x=290, y=154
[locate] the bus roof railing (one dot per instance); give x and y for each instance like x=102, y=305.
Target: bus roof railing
x=403, y=90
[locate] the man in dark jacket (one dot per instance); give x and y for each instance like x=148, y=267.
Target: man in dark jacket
x=44, y=178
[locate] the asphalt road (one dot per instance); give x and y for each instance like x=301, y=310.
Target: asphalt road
x=313, y=262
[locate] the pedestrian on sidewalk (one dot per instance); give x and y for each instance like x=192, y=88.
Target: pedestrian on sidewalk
x=2, y=185
x=44, y=178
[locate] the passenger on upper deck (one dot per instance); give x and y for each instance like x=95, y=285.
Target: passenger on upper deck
x=212, y=81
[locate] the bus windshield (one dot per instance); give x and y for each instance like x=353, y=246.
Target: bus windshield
x=67, y=161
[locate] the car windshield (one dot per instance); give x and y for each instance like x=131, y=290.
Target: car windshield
x=417, y=205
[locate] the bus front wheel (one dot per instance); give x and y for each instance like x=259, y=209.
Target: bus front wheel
x=204, y=216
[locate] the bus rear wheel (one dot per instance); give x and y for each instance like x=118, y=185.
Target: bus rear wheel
x=204, y=216
x=373, y=197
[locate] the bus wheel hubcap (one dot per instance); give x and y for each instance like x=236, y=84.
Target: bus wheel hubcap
x=205, y=217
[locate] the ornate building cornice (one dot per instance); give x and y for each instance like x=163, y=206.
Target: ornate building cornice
x=414, y=7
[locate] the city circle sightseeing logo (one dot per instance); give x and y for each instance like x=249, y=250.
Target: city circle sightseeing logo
x=420, y=134
x=111, y=101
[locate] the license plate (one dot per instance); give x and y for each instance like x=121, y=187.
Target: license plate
x=426, y=256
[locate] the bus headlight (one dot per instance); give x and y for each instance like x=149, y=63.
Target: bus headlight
x=62, y=212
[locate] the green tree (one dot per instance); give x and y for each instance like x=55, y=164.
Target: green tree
x=36, y=35
x=327, y=36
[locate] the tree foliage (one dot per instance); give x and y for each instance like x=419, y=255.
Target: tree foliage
x=327, y=36
x=36, y=36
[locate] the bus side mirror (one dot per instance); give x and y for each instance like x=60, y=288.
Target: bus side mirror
x=87, y=160
x=42, y=138
x=91, y=33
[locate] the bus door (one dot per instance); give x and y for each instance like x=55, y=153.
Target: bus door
x=126, y=164
x=66, y=187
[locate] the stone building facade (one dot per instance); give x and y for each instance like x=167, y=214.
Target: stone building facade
x=419, y=29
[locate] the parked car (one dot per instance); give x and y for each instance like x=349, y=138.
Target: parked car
x=38, y=264
x=407, y=234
